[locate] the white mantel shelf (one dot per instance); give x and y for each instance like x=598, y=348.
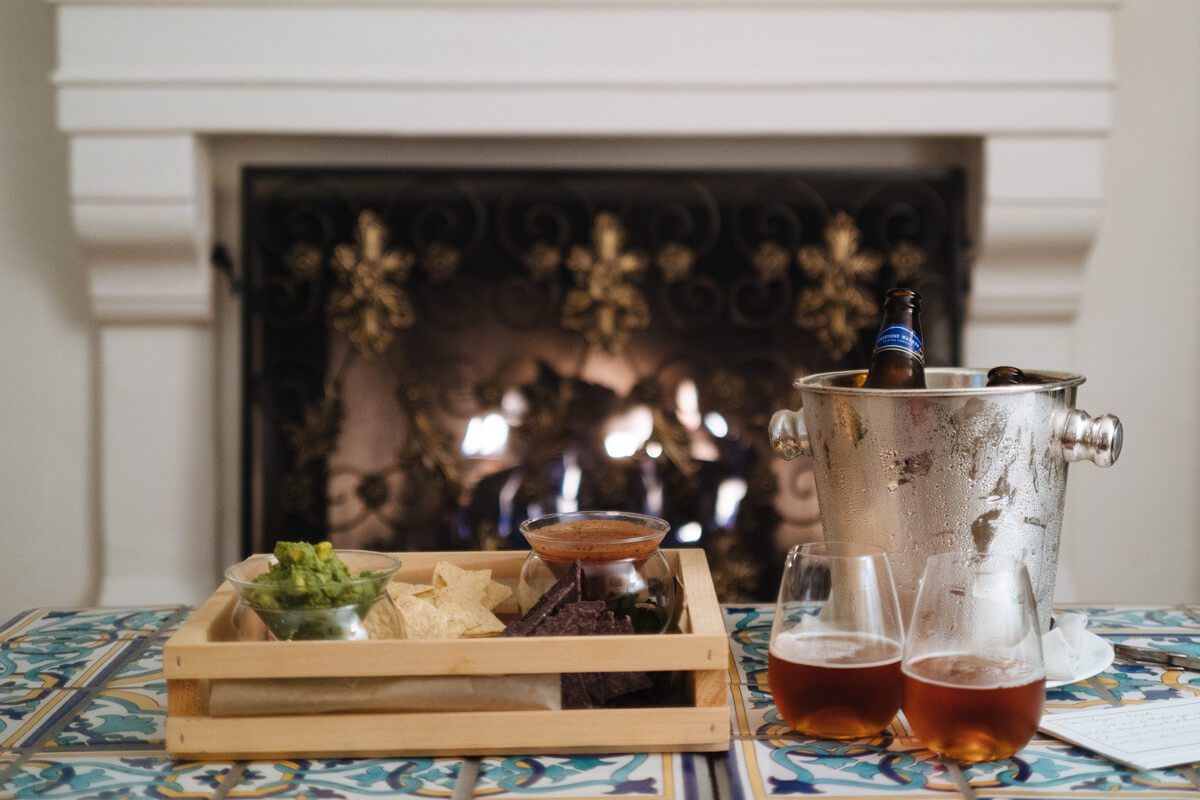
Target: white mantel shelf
x=145, y=85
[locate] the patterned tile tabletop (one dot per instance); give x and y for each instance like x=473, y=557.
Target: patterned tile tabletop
x=83, y=705
x=767, y=760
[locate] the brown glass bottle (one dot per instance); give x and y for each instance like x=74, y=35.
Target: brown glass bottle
x=899, y=358
x=1005, y=376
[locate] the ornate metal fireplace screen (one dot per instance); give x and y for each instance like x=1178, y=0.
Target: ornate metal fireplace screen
x=433, y=356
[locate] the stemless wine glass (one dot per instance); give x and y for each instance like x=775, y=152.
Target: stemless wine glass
x=836, y=642
x=974, y=682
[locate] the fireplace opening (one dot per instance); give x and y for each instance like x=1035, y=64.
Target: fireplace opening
x=433, y=356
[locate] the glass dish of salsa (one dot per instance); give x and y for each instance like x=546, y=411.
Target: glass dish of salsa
x=620, y=558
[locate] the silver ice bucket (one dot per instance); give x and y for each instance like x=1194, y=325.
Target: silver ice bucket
x=954, y=467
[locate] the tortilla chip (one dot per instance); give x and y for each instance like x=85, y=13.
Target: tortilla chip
x=424, y=620
x=477, y=620
x=398, y=589
x=382, y=626
x=482, y=633
x=495, y=594
x=456, y=604
x=468, y=584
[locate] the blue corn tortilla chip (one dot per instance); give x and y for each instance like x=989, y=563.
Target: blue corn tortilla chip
x=562, y=611
x=560, y=594
x=581, y=618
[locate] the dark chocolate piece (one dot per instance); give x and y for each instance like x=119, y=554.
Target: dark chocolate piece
x=574, y=693
x=576, y=619
x=561, y=611
x=617, y=684
x=585, y=618
x=564, y=592
x=558, y=625
x=598, y=689
x=610, y=625
x=593, y=682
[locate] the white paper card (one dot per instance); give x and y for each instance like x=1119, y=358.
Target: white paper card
x=1151, y=736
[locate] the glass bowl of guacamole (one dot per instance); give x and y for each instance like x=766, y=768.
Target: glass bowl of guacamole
x=312, y=591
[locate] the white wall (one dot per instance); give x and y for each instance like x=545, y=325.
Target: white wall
x=1132, y=533
x=46, y=363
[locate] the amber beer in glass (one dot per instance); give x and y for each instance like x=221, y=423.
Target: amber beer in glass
x=836, y=641
x=974, y=683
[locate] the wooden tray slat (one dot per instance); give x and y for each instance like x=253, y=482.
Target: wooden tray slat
x=516, y=656
x=467, y=733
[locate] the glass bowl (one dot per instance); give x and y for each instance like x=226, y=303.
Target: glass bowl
x=621, y=563
x=281, y=609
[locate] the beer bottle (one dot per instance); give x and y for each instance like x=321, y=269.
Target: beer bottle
x=899, y=358
x=1005, y=376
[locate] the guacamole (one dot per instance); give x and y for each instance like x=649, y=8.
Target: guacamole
x=308, y=576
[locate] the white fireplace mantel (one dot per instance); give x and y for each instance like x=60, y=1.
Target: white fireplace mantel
x=144, y=86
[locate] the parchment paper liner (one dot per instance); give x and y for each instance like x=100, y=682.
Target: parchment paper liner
x=241, y=698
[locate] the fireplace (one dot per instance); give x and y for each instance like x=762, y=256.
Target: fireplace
x=165, y=103
x=433, y=356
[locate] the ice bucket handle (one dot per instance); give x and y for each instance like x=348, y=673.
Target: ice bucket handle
x=789, y=435
x=1086, y=438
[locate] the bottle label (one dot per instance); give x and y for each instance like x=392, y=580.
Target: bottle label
x=902, y=338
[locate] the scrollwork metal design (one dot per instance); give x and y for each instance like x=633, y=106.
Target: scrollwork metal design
x=683, y=224
x=314, y=436
x=440, y=260
x=562, y=304
x=693, y=303
x=370, y=302
x=543, y=260
x=756, y=303
x=606, y=305
x=838, y=306
x=535, y=223
x=675, y=260
x=771, y=261
x=430, y=455
x=303, y=261
x=907, y=259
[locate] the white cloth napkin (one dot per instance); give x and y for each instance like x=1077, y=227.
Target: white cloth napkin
x=1071, y=652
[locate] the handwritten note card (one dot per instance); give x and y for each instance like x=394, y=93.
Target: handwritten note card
x=1151, y=736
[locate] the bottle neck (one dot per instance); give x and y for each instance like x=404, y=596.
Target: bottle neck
x=899, y=314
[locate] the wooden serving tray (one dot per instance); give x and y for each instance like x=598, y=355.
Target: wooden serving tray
x=203, y=650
